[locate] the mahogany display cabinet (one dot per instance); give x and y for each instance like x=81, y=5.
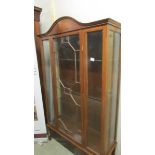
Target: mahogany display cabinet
x=85, y=75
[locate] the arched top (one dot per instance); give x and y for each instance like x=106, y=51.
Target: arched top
x=68, y=24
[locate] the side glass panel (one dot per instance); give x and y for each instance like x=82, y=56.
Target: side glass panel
x=67, y=55
x=48, y=80
x=113, y=74
x=94, y=50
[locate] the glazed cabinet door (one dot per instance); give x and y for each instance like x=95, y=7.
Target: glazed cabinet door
x=67, y=64
x=93, y=77
x=102, y=48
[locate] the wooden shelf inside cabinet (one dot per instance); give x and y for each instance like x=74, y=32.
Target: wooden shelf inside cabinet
x=85, y=75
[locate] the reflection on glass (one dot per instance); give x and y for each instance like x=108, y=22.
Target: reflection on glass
x=68, y=84
x=94, y=46
x=48, y=79
x=94, y=64
x=109, y=75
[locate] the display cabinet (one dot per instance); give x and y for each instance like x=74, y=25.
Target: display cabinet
x=85, y=74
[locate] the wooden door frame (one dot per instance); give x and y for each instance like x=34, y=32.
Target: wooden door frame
x=85, y=60
x=54, y=81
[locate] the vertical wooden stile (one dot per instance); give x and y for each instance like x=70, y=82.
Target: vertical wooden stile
x=84, y=83
x=104, y=84
x=44, y=78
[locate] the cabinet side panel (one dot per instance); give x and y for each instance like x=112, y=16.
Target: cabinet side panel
x=46, y=49
x=112, y=83
x=109, y=86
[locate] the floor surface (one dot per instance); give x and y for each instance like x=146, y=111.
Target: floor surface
x=52, y=147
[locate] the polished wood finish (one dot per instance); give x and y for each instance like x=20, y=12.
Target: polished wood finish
x=43, y=80
x=67, y=26
x=83, y=90
x=104, y=114
x=37, y=12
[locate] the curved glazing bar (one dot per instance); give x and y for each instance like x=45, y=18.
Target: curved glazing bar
x=67, y=41
x=68, y=91
x=68, y=84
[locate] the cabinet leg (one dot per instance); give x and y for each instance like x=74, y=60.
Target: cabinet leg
x=113, y=152
x=49, y=134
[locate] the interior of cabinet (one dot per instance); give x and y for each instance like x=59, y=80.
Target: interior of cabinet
x=94, y=55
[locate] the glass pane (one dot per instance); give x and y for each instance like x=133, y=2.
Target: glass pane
x=48, y=79
x=68, y=84
x=94, y=46
x=114, y=48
